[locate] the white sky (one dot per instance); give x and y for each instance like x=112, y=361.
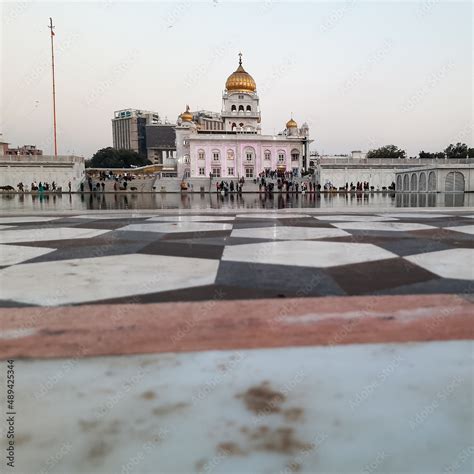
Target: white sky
x=362, y=74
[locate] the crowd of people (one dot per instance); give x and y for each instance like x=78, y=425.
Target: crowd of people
x=272, y=174
x=285, y=183
x=42, y=187
x=226, y=187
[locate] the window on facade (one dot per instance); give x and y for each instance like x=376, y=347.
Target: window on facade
x=241, y=125
x=267, y=155
x=249, y=172
x=187, y=173
x=186, y=158
x=202, y=171
x=215, y=155
x=249, y=156
x=234, y=126
x=241, y=96
x=295, y=156
x=233, y=108
x=241, y=108
x=230, y=171
x=281, y=157
x=216, y=172
x=249, y=108
x=201, y=155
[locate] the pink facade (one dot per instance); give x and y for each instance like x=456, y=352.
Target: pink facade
x=244, y=156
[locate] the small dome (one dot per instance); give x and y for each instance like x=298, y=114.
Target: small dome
x=240, y=80
x=186, y=116
x=291, y=124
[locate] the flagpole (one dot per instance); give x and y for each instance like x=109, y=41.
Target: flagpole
x=51, y=27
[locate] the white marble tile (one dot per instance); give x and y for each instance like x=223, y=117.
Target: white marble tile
x=383, y=226
x=349, y=218
x=90, y=279
x=24, y=219
x=465, y=229
x=13, y=254
x=451, y=263
x=272, y=215
x=404, y=408
x=190, y=218
x=305, y=253
x=415, y=215
x=169, y=228
x=288, y=233
x=50, y=233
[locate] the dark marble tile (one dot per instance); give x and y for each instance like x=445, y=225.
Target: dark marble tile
x=88, y=251
x=413, y=246
x=285, y=280
x=200, y=293
x=366, y=278
x=183, y=249
x=102, y=240
x=434, y=286
x=196, y=235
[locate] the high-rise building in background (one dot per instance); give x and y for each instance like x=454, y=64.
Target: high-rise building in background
x=161, y=145
x=129, y=129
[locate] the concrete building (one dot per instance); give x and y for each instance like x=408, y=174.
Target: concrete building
x=161, y=147
x=445, y=178
x=129, y=129
x=230, y=144
x=23, y=150
x=26, y=169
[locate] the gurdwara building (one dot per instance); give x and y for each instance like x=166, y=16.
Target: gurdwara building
x=230, y=144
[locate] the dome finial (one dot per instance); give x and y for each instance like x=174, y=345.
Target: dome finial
x=240, y=80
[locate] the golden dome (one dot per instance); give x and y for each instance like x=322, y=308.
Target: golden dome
x=291, y=124
x=187, y=116
x=240, y=80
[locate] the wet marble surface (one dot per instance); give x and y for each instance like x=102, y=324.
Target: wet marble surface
x=276, y=251
x=402, y=407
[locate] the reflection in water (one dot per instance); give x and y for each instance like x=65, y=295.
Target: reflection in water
x=122, y=201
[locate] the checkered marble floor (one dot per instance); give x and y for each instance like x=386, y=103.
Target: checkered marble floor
x=169, y=257
x=240, y=342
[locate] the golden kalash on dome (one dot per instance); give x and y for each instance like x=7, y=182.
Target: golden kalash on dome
x=291, y=123
x=240, y=80
x=186, y=116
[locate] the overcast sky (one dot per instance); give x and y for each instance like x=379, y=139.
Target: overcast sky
x=362, y=74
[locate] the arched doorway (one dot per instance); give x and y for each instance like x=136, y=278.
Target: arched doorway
x=455, y=182
x=399, y=182
x=413, y=184
x=432, y=181
x=422, y=182
x=406, y=183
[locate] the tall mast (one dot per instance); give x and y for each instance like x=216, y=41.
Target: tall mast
x=51, y=27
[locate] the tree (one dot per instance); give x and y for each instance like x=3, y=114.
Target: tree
x=111, y=158
x=458, y=151
x=427, y=155
x=387, y=151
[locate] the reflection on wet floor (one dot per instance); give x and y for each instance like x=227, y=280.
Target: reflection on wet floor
x=112, y=201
